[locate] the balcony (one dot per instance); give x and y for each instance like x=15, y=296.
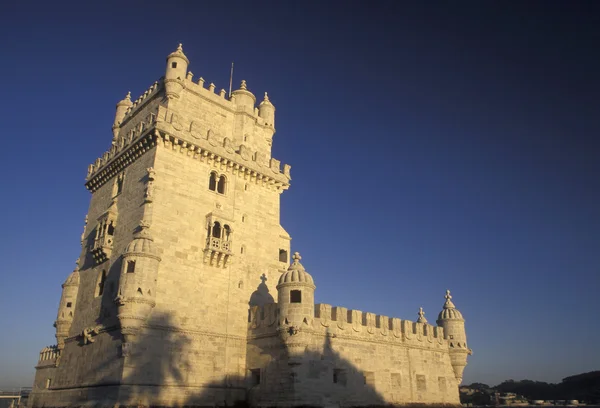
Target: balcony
x=102, y=248
x=217, y=252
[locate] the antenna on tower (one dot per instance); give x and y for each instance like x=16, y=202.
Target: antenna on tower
x=230, y=80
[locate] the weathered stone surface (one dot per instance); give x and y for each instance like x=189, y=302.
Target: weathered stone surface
x=183, y=295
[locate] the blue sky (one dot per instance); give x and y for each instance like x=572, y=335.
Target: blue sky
x=433, y=146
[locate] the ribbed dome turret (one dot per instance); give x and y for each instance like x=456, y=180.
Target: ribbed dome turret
x=142, y=243
x=296, y=274
x=73, y=279
x=178, y=53
x=449, y=312
x=125, y=101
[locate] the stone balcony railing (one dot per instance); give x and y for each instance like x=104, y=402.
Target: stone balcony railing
x=217, y=252
x=102, y=248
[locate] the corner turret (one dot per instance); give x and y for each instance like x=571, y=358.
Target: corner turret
x=175, y=74
x=66, y=308
x=244, y=99
x=122, y=107
x=454, y=328
x=296, y=296
x=137, y=286
x=266, y=110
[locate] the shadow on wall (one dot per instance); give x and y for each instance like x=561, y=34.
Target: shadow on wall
x=261, y=295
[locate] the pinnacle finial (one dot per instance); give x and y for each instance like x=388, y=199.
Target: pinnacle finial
x=266, y=97
x=128, y=96
x=180, y=47
x=243, y=84
x=296, y=257
x=448, y=304
x=421, y=315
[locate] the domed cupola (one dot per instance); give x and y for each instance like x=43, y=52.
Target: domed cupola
x=66, y=308
x=266, y=110
x=454, y=331
x=137, y=286
x=296, y=295
x=449, y=311
x=142, y=244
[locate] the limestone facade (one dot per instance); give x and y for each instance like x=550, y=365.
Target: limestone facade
x=184, y=294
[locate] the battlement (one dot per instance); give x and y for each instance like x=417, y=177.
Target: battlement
x=48, y=356
x=154, y=89
x=354, y=323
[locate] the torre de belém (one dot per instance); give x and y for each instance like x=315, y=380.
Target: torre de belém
x=186, y=292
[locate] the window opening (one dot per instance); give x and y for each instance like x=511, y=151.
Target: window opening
x=255, y=374
x=173, y=65
x=339, y=376
x=130, y=266
x=212, y=183
x=221, y=185
x=283, y=256
x=69, y=304
x=216, y=231
x=101, y=283
x=295, y=296
x=369, y=377
x=111, y=229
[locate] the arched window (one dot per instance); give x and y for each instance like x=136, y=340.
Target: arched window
x=221, y=185
x=216, y=231
x=212, y=182
x=226, y=232
x=295, y=296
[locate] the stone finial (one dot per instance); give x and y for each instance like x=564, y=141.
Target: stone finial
x=243, y=85
x=180, y=47
x=296, y=257
x=128, y=96
x=448, y=304
x=421, y=318
x=266, y=98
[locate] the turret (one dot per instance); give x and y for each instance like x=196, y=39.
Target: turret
x=177, y=64
x=296, y=296
x=66, y=308
x=122, y=107
x=244, y=99
x=454, y=330
x=266, y=110
x=137, y=285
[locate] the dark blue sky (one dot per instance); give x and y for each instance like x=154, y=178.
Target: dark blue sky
x=433, y=146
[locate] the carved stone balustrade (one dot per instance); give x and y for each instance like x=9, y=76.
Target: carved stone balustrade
x=218, y=252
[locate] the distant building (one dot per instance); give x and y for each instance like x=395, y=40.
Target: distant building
x=184, y=293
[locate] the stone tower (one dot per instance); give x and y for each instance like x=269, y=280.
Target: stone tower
x=183, y=225
x=173, y=301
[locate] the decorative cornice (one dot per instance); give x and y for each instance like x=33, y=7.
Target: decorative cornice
x=123, y=159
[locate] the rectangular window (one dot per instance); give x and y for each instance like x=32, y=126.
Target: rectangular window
x=69, y=304
x=369, y=378
x=255, y=376
x=283, y=256
x=130, y=266
x=442, y=384
x=396, y=380
x=295, y=296
x=421, y=383
x=340, y=377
